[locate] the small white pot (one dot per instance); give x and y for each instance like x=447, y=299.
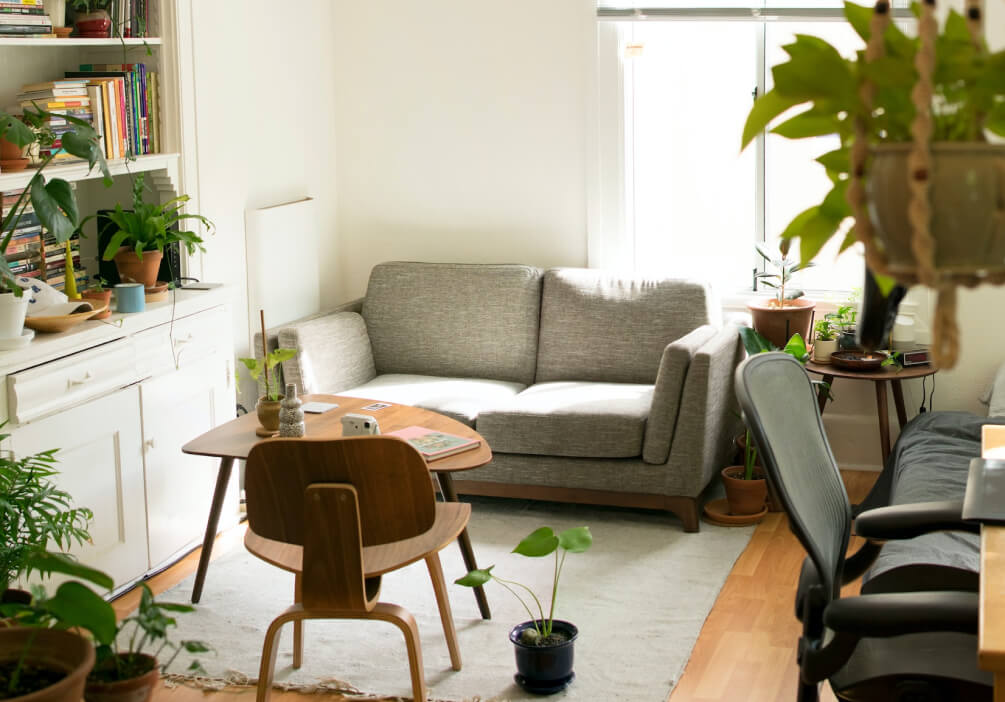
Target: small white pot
x=12, y=314
x=822, y=350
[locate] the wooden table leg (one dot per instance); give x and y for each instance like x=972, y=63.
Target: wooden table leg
x=898, y=401
x=219, y=494
x=823, y=390
x=883, y=408
x=464, y=542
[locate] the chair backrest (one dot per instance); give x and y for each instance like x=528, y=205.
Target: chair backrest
x=391, y=479
x=780, y=408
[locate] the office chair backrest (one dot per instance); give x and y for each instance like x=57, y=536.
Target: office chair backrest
x=780, y=408
x=391, y=478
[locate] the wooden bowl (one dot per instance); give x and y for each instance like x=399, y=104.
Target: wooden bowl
x=858, y=360
x=60, y=323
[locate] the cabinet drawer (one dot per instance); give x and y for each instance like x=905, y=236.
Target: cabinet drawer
x=55, y=386
x=166, y=348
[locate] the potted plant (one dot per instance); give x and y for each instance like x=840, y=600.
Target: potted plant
x=268, y=404
x=786, y=313
x=91, y=18
x=912, y=115
x=844, y=321
x=34, y=513
x=53, y=201
x=137, y=244
x=746, y=488
x=101, y=294
x=544, y=646
x=824, y=340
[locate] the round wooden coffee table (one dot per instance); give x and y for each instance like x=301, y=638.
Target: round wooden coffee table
x=880, y=378
x=234, y=440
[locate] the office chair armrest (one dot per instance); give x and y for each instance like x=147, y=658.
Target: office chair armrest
x=908, y=521
x=895, y=614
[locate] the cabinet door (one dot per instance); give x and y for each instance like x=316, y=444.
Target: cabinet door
x=178, y=407
x=101, y=466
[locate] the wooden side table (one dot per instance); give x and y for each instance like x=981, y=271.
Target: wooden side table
x=880, y=378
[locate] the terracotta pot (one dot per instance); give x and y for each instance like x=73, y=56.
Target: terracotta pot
x=133, y=269
x=9, y=151
x=744, y=496
x=544, y=669
x=139, y=689
x=967, y=185
x=268, y=413
x=93, y=25
x=51, y=648
x=778, y=324
x=103, y=297
x=822, y=350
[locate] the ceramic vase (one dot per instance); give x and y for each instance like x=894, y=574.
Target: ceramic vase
x=822, y=350
x=291, y=414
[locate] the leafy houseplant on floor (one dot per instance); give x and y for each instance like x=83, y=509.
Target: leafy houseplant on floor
x=268, y=404
x=914, y=168
x=543, y=645
x=54, y=202
x=746, y=487
x=140, y=235
x=787, y=313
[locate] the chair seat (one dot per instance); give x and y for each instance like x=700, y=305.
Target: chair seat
x=451, y=518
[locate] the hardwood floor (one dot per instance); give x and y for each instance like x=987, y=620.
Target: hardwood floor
x=746, y=650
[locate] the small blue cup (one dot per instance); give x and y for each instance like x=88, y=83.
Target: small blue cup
x=130, y=297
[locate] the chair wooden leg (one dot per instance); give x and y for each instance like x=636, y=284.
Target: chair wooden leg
x=442, y=601
x=404, y=620
x=298, y=625
x=270, y=647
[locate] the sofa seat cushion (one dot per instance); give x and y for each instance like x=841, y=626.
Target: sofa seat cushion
x=599, y=420
x=458, y=398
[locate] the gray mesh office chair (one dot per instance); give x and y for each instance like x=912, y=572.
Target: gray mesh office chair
x=910, y=646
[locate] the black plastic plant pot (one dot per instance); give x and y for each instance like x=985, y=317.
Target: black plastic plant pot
x=544, y=670
x=877, y=313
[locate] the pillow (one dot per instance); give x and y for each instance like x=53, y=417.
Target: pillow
x=994, y=396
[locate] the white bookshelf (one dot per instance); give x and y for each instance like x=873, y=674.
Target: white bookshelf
x=79, y=171
x=70, y=42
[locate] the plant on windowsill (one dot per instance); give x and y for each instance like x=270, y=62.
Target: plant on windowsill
x=543, y=645
x=53, y=201
x=787, y=312
x=141, y=234
x=914, y=168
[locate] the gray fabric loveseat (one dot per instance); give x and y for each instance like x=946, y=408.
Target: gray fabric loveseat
x=588, y=387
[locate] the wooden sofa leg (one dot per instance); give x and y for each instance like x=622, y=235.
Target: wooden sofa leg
x=686, y=508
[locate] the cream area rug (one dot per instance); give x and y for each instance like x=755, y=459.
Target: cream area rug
x=639, y=597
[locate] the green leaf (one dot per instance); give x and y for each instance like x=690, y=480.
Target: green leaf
x=175, y=607
x=885, y=283
x=765, y=109
x=808, y=124
x=796, y=348
x=995, y=121
x=955, y=28
x=754, y=343
x=196, y=646
x=835, y=205
x=538, y=543
x=838, y=160
x=76, y=605
x=55, y=205
x=576, y=540
x=476, y=577
x=48, y=562
x=860, y=19
x=815, y=70
x=15, y=131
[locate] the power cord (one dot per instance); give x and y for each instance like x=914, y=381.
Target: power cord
x=931, y=396
x=922, y=410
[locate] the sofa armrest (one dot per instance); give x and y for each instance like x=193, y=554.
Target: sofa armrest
x=333, y=353
x=667, y=393
x=708, y=418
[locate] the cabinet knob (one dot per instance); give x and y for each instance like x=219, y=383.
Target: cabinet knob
x=149, y=443
x=86, y=379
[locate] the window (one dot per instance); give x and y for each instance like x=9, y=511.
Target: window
x=683, y=200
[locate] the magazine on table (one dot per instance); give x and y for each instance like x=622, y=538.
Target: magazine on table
x=434, y=444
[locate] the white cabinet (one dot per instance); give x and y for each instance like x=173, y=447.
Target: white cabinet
x=119, y=402
x=178, y=407
x=101, y=466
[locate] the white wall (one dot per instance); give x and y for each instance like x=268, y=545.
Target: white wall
x=264, y=100
x=462, y=132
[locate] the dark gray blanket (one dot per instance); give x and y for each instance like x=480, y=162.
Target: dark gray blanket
x=929, y=462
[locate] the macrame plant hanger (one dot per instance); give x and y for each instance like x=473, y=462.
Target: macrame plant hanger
x=945, y=332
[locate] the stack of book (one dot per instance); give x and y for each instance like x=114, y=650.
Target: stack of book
x=61, y=98
x=128, y=95
x=24, y=19
x=24, y=250
x=131, y=16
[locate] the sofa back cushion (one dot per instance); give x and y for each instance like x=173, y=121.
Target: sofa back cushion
x=603, y=327
x=457, y=320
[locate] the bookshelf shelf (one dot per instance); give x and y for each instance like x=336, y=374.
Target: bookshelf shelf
x=78, y=171
x=62, y=43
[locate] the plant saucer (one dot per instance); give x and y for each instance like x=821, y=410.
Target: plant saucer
x=16, y=342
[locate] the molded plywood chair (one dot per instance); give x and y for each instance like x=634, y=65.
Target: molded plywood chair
x=339, y=513
x=894, y=646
